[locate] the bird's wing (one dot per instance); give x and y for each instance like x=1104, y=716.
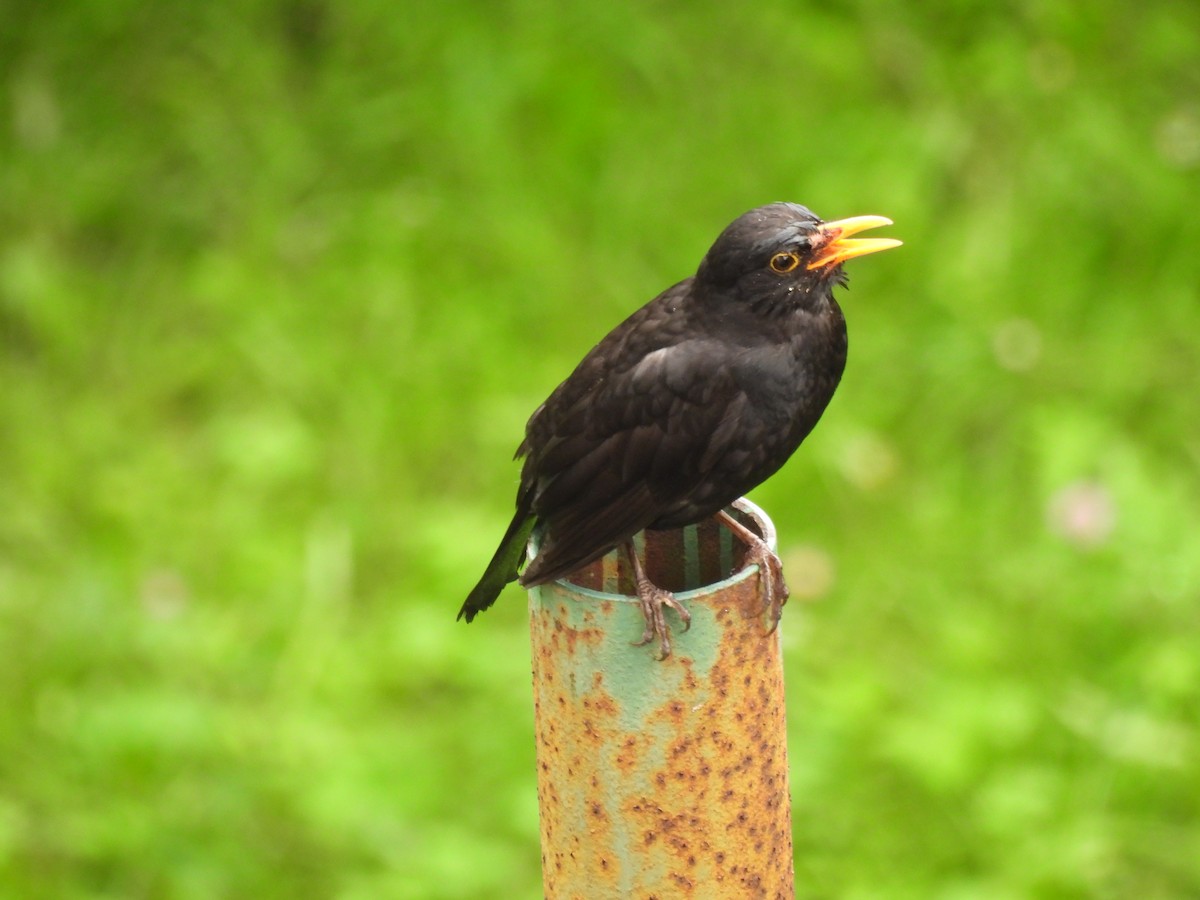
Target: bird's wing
x=630, y=445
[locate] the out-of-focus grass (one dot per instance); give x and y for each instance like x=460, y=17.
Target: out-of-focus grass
x=279, y=284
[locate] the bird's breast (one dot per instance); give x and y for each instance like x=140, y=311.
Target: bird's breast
x=792, y=379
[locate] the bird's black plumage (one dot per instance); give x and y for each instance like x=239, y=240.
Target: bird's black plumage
x=689, y=403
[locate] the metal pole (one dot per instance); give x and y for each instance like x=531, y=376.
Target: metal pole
x=662, y=779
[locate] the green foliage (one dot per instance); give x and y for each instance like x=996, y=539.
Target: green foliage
x=279, y=284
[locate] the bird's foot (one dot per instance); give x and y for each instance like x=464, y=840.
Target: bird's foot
x=653, y=599
x=770, y=569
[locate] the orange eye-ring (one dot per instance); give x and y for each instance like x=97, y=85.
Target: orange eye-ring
x=782, y=263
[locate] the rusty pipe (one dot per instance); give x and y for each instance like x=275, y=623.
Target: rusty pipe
x=662, y=779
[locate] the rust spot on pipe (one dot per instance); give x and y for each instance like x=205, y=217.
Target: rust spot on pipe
x=663, y=779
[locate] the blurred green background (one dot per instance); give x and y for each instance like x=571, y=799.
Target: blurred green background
x=280, y=283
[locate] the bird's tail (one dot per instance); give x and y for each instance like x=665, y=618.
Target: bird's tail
x=503, y=567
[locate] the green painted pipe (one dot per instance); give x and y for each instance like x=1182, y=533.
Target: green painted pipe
x=662, y=778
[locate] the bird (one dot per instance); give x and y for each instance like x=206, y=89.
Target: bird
x=696, y=398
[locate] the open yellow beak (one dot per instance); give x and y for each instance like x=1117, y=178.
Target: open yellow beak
x=838, y=246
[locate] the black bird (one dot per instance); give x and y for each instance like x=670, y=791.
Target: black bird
x=696, y=398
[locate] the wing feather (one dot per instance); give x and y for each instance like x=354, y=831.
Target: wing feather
x=635, y=447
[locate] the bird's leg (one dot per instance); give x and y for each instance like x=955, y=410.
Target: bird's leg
x=775, y=589
x=653, y=599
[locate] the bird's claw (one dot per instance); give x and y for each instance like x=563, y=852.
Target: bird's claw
x=770, y=570
x=774, y=588
x=653, y=599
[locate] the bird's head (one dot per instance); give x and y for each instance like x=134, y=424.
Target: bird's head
x=784, y=251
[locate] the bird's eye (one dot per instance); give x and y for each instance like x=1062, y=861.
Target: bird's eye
x=782, y=263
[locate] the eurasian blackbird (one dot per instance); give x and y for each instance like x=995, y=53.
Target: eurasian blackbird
x=696, y=398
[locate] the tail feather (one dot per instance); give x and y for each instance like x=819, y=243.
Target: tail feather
x=508, y=559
